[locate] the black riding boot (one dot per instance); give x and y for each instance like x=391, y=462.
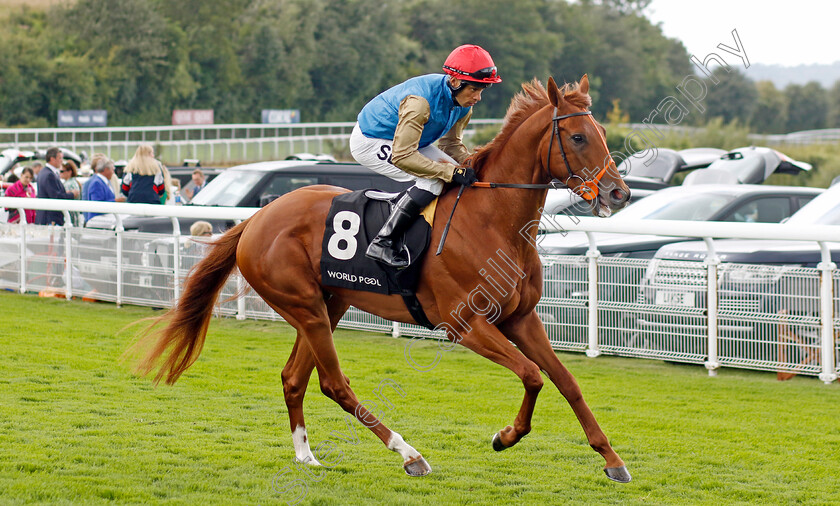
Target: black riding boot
x=384, y=247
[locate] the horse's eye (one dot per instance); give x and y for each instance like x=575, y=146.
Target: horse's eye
x=577, y=138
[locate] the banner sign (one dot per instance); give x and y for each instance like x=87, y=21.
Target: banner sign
x=73, y=118
x=275, y=116
x=192, y=117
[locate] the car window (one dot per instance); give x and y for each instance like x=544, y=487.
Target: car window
x=228, y=188
x=282, y=184
x=351, y=183
x=761, y=210
x=802, y=200
x=690, y=207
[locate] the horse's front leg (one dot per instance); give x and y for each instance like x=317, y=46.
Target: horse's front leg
x=486, y=340
x=528, y=333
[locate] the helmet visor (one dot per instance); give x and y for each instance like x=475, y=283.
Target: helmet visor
x=482, y=74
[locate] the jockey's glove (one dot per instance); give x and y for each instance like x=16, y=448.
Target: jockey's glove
x=464, y=176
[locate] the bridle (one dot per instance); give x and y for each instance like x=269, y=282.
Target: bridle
x=587, y=189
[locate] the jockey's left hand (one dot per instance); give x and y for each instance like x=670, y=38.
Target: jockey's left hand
x=464, y=176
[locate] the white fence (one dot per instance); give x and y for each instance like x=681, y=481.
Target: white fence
x=209, y=143
x=224, y=144
x=593, y=304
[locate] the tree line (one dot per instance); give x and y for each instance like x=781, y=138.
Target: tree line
x=140, y=59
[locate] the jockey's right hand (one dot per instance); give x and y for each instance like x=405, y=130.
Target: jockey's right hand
x=464, y=176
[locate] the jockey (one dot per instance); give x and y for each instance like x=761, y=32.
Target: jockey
x=396, y=132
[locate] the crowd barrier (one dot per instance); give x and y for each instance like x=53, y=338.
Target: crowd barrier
x=592, y=304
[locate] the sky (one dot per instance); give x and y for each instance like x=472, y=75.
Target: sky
x=772, y=32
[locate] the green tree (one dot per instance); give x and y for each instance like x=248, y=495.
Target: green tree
x=833, y=117
x=25, y=64
x=518, y=39
x=625, y=56
x=734, y=97
x=771, y=109
x=133, y=55
x=807, y=106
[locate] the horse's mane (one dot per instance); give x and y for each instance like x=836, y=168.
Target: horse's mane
x=531, y=99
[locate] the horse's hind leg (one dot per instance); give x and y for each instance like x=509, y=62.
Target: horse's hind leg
x=314, y=326
x=529, y=335
x=295, y=377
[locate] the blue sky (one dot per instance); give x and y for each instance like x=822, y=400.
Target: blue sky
x=771, y=31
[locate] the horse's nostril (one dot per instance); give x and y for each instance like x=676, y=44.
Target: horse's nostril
x=619, y=196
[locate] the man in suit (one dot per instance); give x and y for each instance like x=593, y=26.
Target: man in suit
x=198, y=180
x=51, y=187
x=99, y=187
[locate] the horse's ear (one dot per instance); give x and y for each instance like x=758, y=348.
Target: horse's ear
x=553, y=93
x=584, y=85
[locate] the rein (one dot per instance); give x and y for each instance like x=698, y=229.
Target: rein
x=590, y=191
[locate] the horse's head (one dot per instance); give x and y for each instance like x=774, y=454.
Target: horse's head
x=576, y=151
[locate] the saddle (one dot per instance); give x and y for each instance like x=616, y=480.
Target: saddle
x=352, y=223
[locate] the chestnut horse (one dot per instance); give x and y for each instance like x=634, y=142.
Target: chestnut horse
x=547, y=133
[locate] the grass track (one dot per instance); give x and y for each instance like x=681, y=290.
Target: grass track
x=75, y=427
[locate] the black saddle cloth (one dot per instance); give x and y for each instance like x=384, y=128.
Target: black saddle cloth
x=352, y=223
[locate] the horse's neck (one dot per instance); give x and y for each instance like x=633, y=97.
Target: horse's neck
x=518, y=161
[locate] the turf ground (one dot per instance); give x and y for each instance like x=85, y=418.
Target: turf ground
x=77, y=427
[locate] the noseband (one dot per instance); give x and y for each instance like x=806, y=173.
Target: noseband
x=587, y=189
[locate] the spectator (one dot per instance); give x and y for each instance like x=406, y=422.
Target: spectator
x=201, y=228
x=22, y=188
x=69, y=173
x=144, y=179
x=114, y=181
x=50, y=187
x=194, y=250
x=36, y=168
x=198, y=180
x=99, y=189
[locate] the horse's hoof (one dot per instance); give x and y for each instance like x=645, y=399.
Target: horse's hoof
x=417, y=466
x=497, y=443
x=618, y=474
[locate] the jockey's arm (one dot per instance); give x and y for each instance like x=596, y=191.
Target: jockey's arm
x=452, y=142
x=413, y=114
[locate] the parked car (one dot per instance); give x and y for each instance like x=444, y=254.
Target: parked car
x=644, y=176
x=565, y=264
x=11, y=159
x=251, y=185
x=258, y=184
x=733, y=203
x=765, y=291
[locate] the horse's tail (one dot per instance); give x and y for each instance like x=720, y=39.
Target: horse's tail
x=183, y=337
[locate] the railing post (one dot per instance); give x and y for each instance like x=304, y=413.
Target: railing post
x=396, y=330
x=176, y=258
x=828, y=360
x=240, y=302
x=22, y=222
x=240, y=289
x=593, y=254
x=118, y=231
x=712, y=261
x=68, y=265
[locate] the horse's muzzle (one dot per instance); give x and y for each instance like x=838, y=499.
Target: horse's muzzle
x=618, y=197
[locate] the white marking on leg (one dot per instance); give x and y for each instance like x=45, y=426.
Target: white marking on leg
x=396, y=444
x=302, y=451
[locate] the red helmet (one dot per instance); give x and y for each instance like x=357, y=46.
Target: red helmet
x=471, y=63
